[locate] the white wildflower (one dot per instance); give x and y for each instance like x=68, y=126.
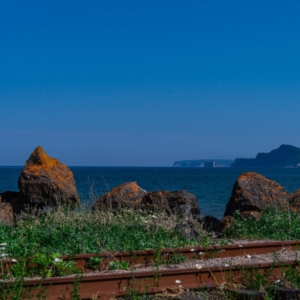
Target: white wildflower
x=4, y=254
x=192, y=249
x=248, y=256
x=277, y=281
x=14, y=260
x=226, y=265
x=178, y=281
x=198, y=266
x=57, y=259
x=200, y=253
x=3, y=244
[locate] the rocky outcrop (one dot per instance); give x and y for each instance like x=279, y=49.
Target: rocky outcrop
x=128, y=194
x=254, y=192
x=294, y=201
x=131, y=195
x=175, y=202
x=47, y=181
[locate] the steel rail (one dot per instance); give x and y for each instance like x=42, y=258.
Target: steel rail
x=148, y=257
x=106, y=286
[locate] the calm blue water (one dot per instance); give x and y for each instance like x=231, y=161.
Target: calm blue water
x=212, y=187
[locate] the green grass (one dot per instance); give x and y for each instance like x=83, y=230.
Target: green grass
x=275, y=225
x=45, y=236
x=72, y=232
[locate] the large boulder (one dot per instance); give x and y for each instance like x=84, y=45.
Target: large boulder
x=128, y=195
x=47, y=181
x=294, y=201
x=173, y=202
x=254, y=192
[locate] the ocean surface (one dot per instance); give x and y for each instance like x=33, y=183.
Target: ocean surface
x=212, y=187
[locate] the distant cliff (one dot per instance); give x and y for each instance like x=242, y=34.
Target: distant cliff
x=203, y=163
x=285, y=156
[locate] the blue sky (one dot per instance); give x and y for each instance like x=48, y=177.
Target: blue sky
x=145, y=83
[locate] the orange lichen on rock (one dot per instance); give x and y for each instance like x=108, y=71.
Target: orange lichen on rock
x=128, y=194
x=45, y=180
x=294, y=201
x=254, y=192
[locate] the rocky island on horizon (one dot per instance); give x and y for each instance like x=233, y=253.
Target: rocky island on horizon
x=286, y=156
x=203, y=163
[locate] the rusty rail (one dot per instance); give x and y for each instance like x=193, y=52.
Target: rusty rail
x=107, y=286
x=148, y=257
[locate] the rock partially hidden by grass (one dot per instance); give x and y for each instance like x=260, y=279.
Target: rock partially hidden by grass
x=81, y=231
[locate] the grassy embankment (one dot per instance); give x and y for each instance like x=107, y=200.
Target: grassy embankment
x=47, y=235
x=81, y=231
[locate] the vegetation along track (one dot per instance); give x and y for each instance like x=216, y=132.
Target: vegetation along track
x=105, y=285
x=149, y=257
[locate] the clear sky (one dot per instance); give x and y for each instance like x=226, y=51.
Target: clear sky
x=146, y=83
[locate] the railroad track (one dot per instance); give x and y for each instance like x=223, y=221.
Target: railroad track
x=106, y=285
x=149, y=257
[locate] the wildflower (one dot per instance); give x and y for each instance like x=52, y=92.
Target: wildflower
x=3, y=244
x=192, y=249
x=226, y=265
x=248, y=256
x=4, y=254
x=277, y=281
x=200, y=253
x=198, y=266
x=2, y=248
x=178, y=281
x=207, y=283
x=57, y=259
x=14, y=260
x=241, y=246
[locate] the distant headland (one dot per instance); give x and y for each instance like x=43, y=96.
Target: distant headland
x=286, y=156
x=204, y=163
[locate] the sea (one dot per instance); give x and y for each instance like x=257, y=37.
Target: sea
x=212, y=187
